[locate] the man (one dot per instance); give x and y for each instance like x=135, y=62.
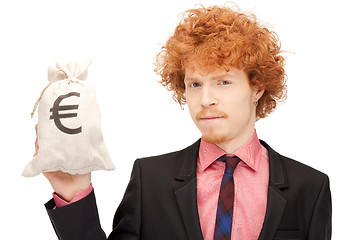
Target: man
x=227, y=185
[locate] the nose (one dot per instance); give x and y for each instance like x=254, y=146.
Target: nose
x=208, y=96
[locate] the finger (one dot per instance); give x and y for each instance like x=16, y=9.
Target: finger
x=36, y=142
x=46, y=174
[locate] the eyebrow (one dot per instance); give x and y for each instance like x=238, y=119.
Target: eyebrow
x=222, y=75
x=191, y=79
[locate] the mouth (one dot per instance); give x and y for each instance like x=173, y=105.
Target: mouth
x=208, y=118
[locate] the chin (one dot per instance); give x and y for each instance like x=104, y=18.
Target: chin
x=213, y=137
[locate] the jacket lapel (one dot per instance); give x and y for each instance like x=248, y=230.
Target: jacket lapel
x=186, y=194
x=276, y=200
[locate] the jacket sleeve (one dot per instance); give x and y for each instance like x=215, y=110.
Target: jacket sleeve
x=320, y=226
x=127, y=219
x=80, y=220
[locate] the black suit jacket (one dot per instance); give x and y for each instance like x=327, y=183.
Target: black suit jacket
x=160, y=203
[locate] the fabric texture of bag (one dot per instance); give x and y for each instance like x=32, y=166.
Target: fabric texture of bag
x=69, y=125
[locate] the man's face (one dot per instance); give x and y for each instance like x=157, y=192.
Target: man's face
x=221, y=104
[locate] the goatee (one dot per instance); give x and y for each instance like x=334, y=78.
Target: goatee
x=211, y=136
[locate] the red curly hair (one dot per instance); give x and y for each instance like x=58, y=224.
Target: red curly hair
x=221, y=36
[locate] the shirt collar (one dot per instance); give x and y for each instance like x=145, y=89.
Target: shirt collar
x=248, y=153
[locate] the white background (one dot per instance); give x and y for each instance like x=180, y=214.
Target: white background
x=317, y=125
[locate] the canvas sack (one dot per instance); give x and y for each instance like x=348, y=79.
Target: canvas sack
x=69, y=125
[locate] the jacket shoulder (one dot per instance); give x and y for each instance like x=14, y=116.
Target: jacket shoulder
x=173, y=159
x=300, y=169
x=162, y=157
x=293, y=167
x=285, y=171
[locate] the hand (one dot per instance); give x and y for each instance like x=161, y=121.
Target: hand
x=36, y=142
x=64, y=184
x=67, y=185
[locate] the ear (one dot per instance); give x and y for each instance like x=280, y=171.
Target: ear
x=258, y=94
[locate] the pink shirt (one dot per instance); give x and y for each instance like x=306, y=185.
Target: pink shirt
x=59, y=202
x=251, y=178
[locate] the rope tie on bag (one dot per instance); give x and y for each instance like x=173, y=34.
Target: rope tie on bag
x=42, y=93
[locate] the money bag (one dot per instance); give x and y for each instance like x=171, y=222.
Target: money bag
x=69, y=125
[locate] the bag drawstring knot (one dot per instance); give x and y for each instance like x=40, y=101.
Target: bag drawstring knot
x=42, y=93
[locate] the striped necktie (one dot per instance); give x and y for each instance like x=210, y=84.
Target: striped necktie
x=224, y=214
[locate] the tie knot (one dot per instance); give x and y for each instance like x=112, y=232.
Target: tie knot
x=231, y=163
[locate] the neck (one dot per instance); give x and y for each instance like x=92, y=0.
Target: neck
x=231, y=145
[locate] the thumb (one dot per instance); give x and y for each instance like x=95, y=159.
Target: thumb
x=36, y=141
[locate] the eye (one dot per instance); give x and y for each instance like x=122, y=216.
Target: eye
x=194, y=84
x=224, y=82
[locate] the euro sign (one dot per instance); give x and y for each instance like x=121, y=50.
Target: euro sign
x=56, y=116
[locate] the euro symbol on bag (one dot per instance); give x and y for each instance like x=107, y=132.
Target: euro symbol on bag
x=56, y=116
